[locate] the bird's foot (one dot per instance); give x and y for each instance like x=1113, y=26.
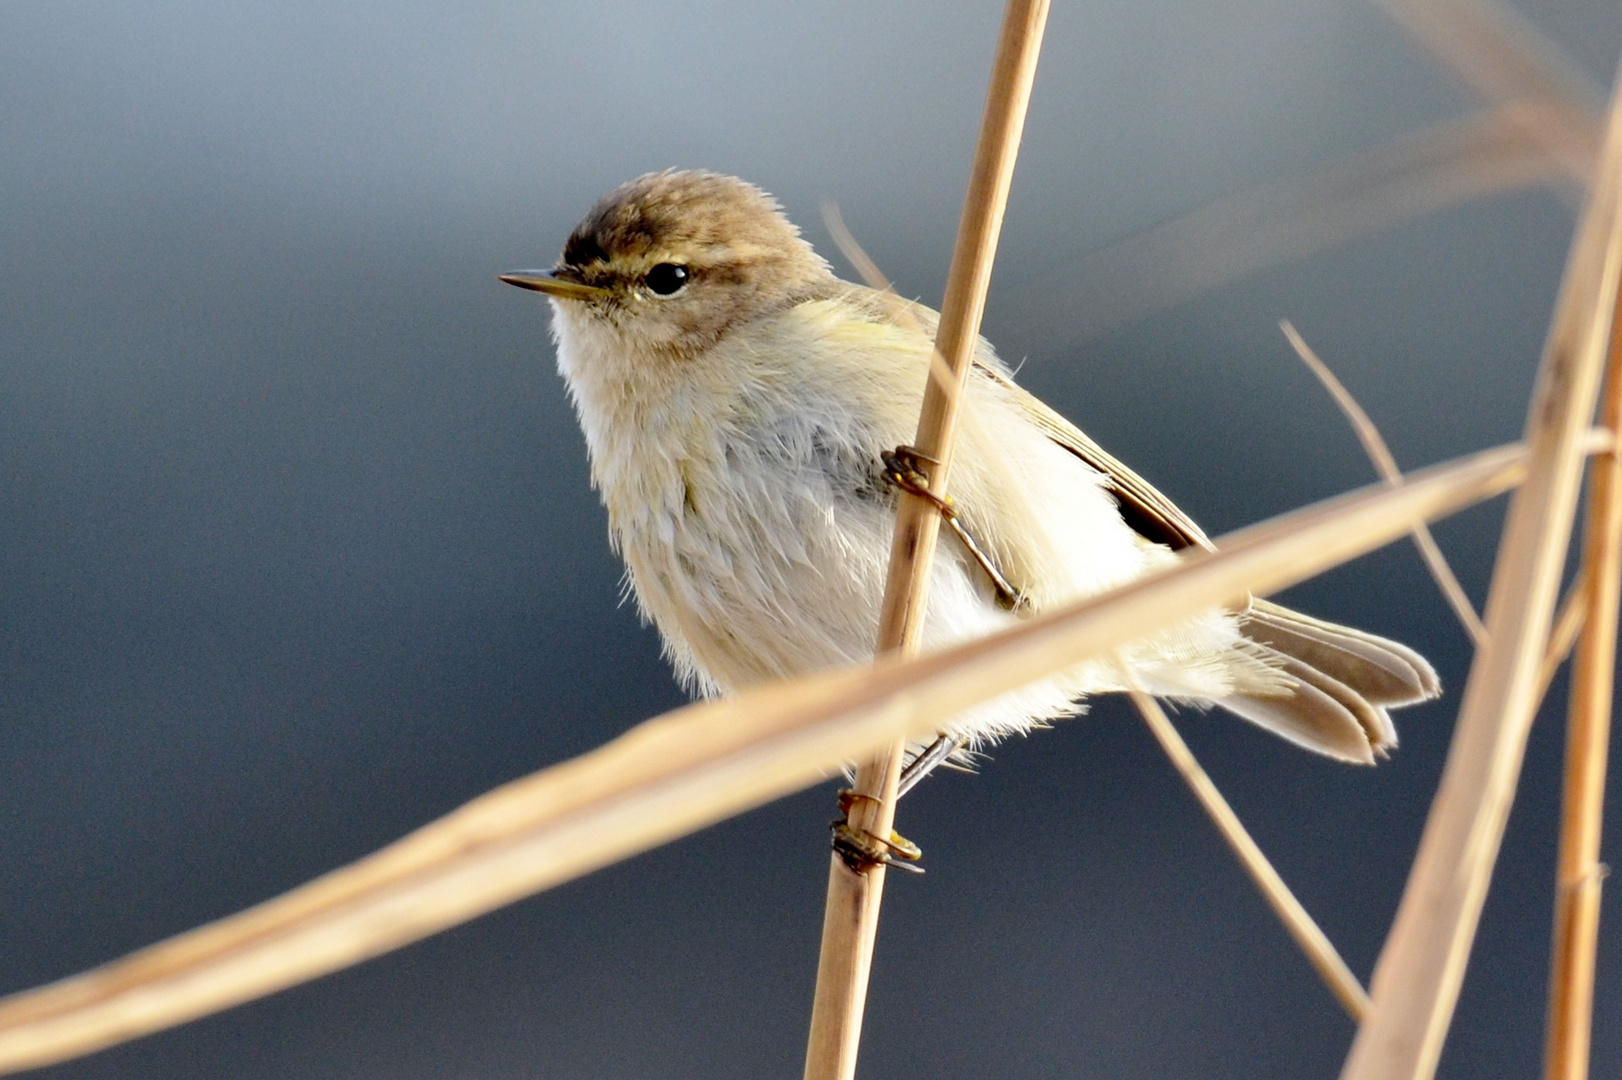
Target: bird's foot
x=861, y=850
x=902, y=467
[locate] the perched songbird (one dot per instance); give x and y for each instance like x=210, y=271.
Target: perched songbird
x=737, y=400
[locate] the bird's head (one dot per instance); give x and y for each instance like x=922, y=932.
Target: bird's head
x=671, y=261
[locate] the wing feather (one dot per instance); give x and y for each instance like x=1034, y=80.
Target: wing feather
x=1151, y=514
x=1340, y=681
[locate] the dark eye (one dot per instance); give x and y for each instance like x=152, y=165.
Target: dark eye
x=666, y=279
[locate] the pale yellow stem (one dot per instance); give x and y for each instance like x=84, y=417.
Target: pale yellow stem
x=1416, y=982
x=850, y=922
x=1588, y=737
x=1386, y=465
x=1321, y=952
x=677, y=773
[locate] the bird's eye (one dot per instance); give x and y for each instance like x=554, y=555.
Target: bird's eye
x=667, y=279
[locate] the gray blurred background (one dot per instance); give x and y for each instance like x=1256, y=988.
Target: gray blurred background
x=297, y=549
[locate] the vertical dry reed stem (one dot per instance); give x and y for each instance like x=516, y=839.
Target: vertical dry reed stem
x=1416, y=982
x=1588, y=736
x=1386, y=465
x=850, y=921
x=1308, y=935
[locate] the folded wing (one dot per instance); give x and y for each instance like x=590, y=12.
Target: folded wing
x=1340, y=681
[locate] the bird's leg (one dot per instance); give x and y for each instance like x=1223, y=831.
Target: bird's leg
x=933, y=756
x=861, y=850
x=901, y=469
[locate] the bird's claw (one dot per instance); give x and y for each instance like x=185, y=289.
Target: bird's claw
x=901, y=468
x=861, y=850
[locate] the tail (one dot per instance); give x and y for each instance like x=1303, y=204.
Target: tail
x=1341, y=682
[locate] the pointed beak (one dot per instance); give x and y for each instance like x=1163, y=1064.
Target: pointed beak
x=549, y=283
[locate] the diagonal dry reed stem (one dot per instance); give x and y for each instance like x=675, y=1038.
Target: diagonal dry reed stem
x=1500, y=56
x=869, y=272
x=1588, y=735
x=1568, y=622
x=1320, y=951
x=1386, y=465
x=1416, y=982
x=850, y=920
x=940, y=373
x=681, y=772
x=1506, y=60
x=1541, y=126
x=1447, y=165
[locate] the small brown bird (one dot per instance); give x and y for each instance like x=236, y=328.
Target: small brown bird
x=738, y=400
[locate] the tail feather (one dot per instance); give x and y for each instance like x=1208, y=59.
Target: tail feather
x=1383, y=671
x=1340, y=681
x=1309, y=717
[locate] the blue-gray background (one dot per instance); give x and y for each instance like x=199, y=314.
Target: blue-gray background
x=297, y=549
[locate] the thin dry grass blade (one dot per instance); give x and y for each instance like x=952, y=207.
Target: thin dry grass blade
x=1386, y=465
x=1588, y=738
x=939, y=371
x=858, y=257
x=917, y=526
x=1542, y=126
x=1568, y=621
x=1503, y=58
x=1320, y=951
x=1416, y=983
x=1497, y=150
x=850, y=920
x=680, y=772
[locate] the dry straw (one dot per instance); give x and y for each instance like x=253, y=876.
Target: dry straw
x=680, y=772
x=1540, y=127
x=1588, y=734
x=1496, y=150
x=1386, y=465
x=1503, y=58
x=851, y=915
x=690, y=768
x=1416, y=982
x=1568, y=623
x=1306, y=932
